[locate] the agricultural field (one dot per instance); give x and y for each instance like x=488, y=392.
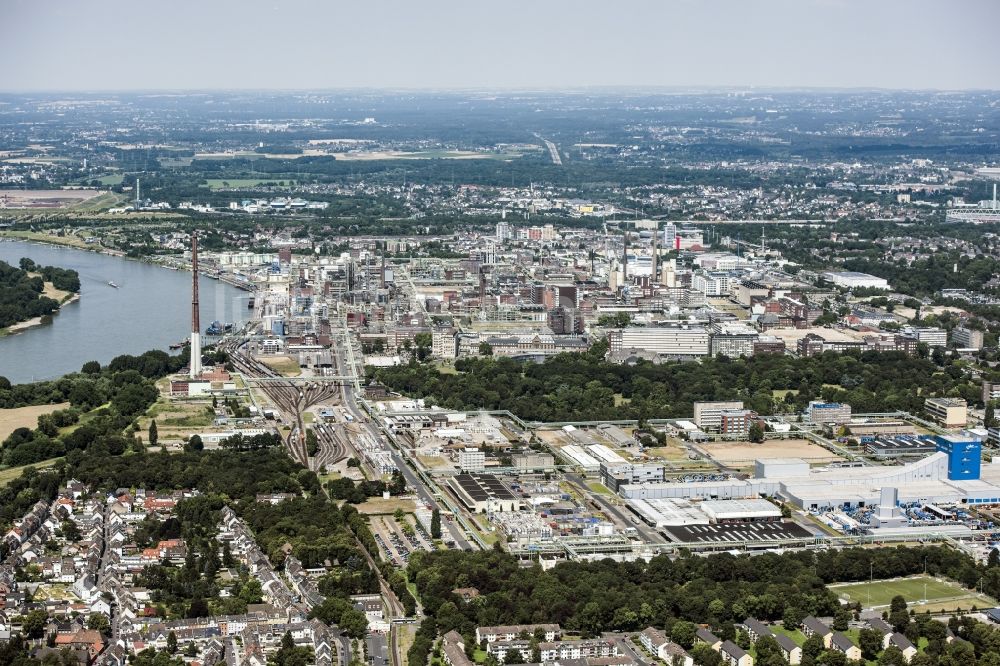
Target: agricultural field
x=24, y=417
x=941, y=594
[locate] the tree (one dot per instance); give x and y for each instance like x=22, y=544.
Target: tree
x=989, y=418
x=436, y=523
x=99, y=622
x=70, y=530
x=841, y=619
x=756, y=432
x=812, y=647
x=485, y=349
x=683, y=633
x=34, y=623
x=154, y=436
x=892, y=656
x=194, y=443
x=870, y=642
x=703, y=655
x=91, y=368
x=172, y=643
x=792, y=618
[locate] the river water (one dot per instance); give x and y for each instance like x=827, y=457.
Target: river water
x=150, y=310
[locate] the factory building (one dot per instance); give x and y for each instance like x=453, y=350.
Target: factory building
x=727, y=511
x=964, y=456
x=855, y=280
x=615, y=475
x=951, y=475
x=483, y=493
x=898, y=447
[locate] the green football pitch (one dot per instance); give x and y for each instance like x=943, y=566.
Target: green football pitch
x=914, y=589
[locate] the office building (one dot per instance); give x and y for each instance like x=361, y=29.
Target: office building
x=471, y=460
x=828, y=412
x=949, y=412
x=967, y=338
x=708, y=415
x=673, y=341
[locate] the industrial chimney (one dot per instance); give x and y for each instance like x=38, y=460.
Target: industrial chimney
x=195, y=362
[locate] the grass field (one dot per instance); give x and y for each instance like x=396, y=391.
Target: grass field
x=24, y=417
x=11, y=473
x=283, y=365
x=71, y=241
x=940, y=592
x=378, y=506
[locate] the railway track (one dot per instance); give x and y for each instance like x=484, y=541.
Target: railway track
x=291, y=400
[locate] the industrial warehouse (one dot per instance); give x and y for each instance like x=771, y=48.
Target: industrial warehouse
x=950, y=475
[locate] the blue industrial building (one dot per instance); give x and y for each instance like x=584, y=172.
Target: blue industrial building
x=964, y=455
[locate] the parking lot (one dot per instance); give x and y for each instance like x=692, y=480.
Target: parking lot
x=736, y=532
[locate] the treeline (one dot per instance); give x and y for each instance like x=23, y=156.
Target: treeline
x=21, y=296
x=63, y=279
x=673, y=594
x=356, y=493
x=113, y=396
x=570, y=387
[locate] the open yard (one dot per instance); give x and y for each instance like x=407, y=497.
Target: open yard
x=377, y=505
x=44, y=198
x=744, y=453
x=941, y=594
x=24, y=417
x=283, y=365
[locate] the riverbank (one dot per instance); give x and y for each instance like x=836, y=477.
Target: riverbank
x=22, y=326
x=161, y=261
x=49, y=239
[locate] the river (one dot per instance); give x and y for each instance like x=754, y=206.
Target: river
x=151, y=309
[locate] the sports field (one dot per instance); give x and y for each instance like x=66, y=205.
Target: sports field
x=940, y=592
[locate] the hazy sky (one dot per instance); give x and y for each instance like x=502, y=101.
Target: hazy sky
x=187, y=44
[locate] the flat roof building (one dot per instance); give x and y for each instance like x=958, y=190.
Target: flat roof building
x=949, y=412
x=484, y=493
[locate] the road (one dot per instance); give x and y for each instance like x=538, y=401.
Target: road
x=350, y=403
x=553, y=150
x=615, y=513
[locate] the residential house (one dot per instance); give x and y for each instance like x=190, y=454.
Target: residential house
x=733, y=655
x=813, y=627
x=842, y=643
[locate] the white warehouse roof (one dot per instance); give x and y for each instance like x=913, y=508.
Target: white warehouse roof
x=737, y=509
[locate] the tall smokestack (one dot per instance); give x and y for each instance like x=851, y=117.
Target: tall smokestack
x=625, y=259
x=195, y=362
x=652, y=276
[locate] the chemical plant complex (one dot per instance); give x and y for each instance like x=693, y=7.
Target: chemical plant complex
x=724, y=478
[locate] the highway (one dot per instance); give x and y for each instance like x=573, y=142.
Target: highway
x=553, y=150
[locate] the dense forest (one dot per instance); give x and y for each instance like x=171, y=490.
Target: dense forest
x=677, y=594
x=583, y=387
x=21, y=293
